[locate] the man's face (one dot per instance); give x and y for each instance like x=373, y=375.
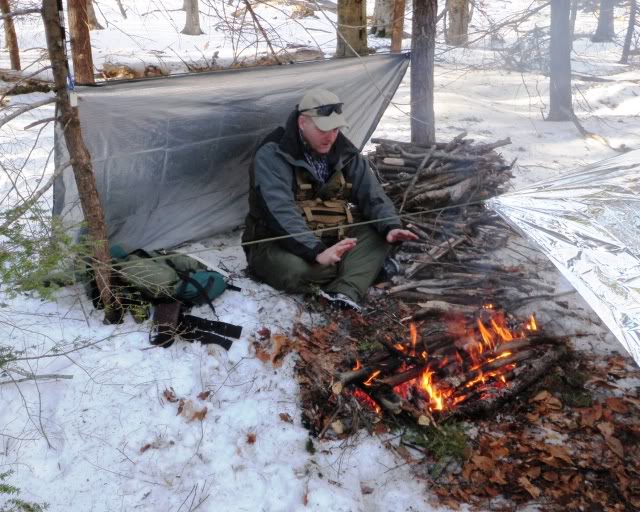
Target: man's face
x=319, y=141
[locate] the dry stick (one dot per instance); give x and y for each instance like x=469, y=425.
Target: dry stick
x=590, y=135
x=344, y=378
x=439, y=308
x=264, y=34
x=35, y=377
x=421, y=167
x=26, y=108
x=41, y=121
x=435, y=254
x=24, y=207
x=20, y=12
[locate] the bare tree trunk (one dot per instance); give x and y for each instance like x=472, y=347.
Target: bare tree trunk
x=605, y=30
x=192, y=24
x=457, y=30
x=80, y=42
x=560, y=107
x=630, y=28
x=122, y=11
x=80, y=162
x=383, y=15
x=398, y=25
x=11, y=39
x=94, y=24
x=352, y=28
x=575, y=5
x=423, y=43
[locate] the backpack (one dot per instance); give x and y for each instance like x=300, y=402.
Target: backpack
x=165, y=276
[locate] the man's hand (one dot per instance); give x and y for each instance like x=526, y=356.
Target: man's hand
x=333, y=254
x=400, y=235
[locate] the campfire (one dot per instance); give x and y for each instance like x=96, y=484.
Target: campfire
x=478, y=360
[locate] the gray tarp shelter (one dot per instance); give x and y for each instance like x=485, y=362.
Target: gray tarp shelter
x=171, y=155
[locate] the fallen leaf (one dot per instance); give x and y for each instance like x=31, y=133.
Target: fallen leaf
x=181, y=406
x=284, y=416
x=529, y=487
x=261, y=353
x=251, y=438
x=533, y=417
x=553, y=403
x=204, y=395
x=198, y=415
x=550, y=476
x=281, y=347
x=145, y=447
x=483, y=463
x=498, y=478
x=601, y=383
x=540, y=396
x=606, y=428
x=559, y=452
x=591, y=415
x=532, y=472
x=615, y=445
x=616, y=405
x=365, y=489
x=500, y=452
x=170, y=395
x=264, y=333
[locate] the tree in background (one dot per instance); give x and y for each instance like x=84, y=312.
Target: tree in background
x=560, y=108
x=423, y=43
x=605, y=30
x=352, y=28
x=459, y=16
x=192, y=23
x=626, y=49
x=69, y=120
x=11, y=39
x=94, y=24
x=80, y=41
x=383, y=17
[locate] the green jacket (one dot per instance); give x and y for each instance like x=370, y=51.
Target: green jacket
x=272, y=194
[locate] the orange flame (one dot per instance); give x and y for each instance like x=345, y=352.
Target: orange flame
x=487, y=338
x=503, y=332
x=436, y=396
x=369, y=381
x=414, y=337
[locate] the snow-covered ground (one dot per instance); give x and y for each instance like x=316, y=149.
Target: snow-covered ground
x=108, y=439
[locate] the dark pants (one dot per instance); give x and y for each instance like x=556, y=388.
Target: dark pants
x=352, y=275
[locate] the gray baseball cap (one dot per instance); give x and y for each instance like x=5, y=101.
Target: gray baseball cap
x=324, y=107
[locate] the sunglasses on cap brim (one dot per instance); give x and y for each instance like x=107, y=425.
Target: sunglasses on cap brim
x=326, y=110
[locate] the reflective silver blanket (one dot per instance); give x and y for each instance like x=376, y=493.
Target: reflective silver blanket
x=588, y=223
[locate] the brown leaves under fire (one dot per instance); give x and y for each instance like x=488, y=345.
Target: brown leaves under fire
x=569, y=458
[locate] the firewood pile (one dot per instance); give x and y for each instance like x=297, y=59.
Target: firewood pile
x=443, y=341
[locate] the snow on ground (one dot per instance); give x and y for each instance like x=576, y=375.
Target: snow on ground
x=108, y=439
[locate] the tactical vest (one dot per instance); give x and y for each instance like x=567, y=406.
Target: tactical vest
x=329, y=207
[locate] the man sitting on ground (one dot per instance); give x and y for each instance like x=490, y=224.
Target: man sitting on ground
x=309, y=181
